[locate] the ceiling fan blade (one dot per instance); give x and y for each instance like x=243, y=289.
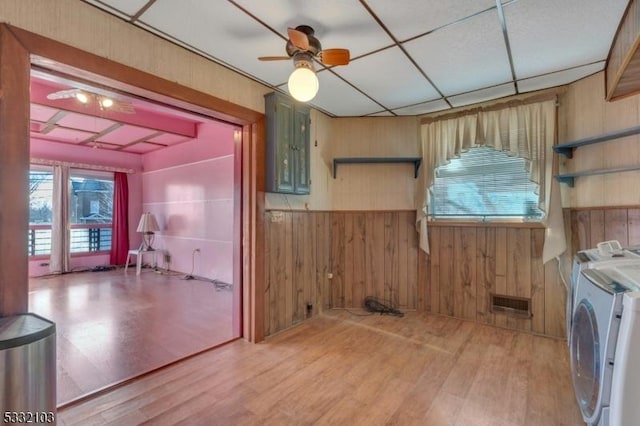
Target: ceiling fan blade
x=335, y=56
x=298, y=39
x=273, y=58
x=63, y=94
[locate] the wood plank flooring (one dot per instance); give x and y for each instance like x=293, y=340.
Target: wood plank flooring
x=112, y=326
x=343, y=369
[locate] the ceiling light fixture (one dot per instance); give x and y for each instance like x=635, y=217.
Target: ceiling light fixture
x=88, y=98
x=82, y=97
x=105, y=102
x=303, y=82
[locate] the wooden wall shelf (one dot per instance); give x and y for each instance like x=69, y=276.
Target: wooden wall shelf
x=416, y=161
x=566, y=149
x=569, y=178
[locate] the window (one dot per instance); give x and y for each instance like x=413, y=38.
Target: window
x=40, y=209
x=486, y=184
x=90, y=210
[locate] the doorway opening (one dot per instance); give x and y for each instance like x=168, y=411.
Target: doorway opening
x=182, y=166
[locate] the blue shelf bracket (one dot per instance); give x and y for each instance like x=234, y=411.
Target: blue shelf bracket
x=569, y=180
x=564, y=150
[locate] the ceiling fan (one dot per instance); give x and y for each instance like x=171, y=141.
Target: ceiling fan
x=86, y=97
x=304, y=47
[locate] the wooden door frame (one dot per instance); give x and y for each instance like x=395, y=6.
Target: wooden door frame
x=18, y=50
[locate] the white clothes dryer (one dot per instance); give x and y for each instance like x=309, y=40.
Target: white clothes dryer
x=599, y=309
x=608, y=253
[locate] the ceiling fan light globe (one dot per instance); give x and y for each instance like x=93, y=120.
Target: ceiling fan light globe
x=106, y=102
x=82, y=97
x=303, y=84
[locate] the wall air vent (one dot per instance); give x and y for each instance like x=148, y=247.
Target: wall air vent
x=511, y=305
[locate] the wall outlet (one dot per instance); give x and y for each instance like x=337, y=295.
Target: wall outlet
x=329, y=275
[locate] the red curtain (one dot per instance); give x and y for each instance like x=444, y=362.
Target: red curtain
x=120, y=225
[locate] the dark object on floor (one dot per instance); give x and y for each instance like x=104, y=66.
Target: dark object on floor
x=102, y=268
x=372, y=304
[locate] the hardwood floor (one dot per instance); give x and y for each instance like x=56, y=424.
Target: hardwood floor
x=112, y=326
x=342, y=369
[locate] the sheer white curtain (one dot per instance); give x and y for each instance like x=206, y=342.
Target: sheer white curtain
x=524, y=130
x=59, y=260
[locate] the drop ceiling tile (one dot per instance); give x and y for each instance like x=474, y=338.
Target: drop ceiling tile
x=463, y=57
x=424, y=108
x=559, y=78
x=41, y=112
x=337, y=23
x=333, y=91
x=125, y=134
x=68, y=135
x=402, y=22
x=405, y=86
x=551, y=35
x=85, y=122
x=483, y=95
x=224, y=32
x=120, y=7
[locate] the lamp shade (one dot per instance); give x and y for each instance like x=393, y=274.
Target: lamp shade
x=148, y=223
x=303, y=84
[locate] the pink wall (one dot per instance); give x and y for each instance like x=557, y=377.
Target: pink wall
x=77, y=154
x=190, y=190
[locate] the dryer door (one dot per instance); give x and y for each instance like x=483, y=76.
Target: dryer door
x=585, y=357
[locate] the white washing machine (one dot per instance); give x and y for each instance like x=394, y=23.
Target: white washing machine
x=606, y=254
x=603, y=351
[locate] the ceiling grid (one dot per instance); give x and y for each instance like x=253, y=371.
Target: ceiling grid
x=408, y=57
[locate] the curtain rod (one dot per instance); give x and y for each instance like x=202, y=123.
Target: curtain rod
x=549, y=95
x=44, y=162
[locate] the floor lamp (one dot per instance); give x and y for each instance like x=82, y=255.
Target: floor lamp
x=147, y=226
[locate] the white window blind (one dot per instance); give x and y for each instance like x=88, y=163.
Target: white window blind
x=486, y=184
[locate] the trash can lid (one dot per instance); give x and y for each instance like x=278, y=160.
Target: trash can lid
x=22, y=329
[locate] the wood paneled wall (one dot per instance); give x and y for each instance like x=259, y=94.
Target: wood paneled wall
x=589, y=226
x=374, y=254
x=467, y=264
x=377, y=254
x=296, y=267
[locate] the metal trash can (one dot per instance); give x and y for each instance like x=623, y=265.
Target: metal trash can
x=27, y=370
